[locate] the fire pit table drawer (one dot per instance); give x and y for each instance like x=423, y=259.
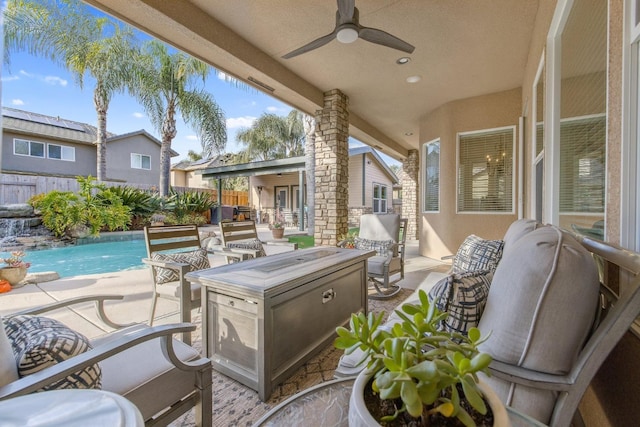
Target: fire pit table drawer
x=234, y=303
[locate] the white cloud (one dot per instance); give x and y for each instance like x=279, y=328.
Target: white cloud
x=17, y=102
x=24, y=73
x=53, y=80
x=273, y=109
x=138, y=115
x=10, y=78
x=240, y=122
x=192, y=137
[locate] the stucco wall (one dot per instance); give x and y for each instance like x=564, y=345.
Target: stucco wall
x=84, y=164
x=119, y=160
x=441, y=233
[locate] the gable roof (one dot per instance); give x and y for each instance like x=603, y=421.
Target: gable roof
x=291, y=164
x=31, y=123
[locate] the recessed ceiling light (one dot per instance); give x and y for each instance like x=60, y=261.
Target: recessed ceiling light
x=403, y=60
x=413, y=79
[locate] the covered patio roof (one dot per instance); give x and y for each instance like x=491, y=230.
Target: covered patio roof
x=266, y=167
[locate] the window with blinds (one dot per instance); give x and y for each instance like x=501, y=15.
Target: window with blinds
x=485, y=170
x=582, y=165
x=432, y=176
x=583, y=116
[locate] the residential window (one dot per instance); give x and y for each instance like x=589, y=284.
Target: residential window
x=379, y=198
x=61, y=152
x=485, y=170
x=432, y=176
x=22, y=147
x=140, y=161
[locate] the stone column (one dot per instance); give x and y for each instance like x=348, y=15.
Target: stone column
x=332, y=169
x=410, y=188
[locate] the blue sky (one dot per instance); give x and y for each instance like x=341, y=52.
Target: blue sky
x=38, y=85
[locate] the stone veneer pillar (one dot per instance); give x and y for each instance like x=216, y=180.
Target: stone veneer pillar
x=332, y=169
x=410, y=208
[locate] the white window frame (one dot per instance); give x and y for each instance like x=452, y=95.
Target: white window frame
x=139, y=157
x=381, y=200
x=63, y=149
x=44, y=148
x=513, y=169
x=630, y=167
x=536, y=157
x=425, y=178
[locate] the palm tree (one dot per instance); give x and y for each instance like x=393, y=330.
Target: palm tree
x=274, y=137
x=68, y=34
x=165, y=85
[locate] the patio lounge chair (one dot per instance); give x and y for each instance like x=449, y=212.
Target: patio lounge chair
x=160, y=375
x=172, y=252
x=241, y=242
x=387, y=235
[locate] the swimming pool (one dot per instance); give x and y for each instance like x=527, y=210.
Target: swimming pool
x=91, y=258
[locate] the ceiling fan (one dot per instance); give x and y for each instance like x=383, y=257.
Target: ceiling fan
x=348, y=30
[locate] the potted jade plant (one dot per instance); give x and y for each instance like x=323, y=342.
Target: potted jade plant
x=15, y=269
x=416, y=374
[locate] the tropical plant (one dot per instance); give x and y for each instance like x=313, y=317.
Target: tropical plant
x=66, y=32
x=189, y=207
x=165, y=84
x=273, y=137
x=422, y=367
x=94, y=207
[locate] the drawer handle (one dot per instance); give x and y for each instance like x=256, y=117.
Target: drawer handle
x=328, y=295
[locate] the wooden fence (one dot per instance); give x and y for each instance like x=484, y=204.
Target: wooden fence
x=15, y=188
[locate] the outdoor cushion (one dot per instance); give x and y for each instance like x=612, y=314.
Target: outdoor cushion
x=39, y=342
x=547, y=285
x=197, y=260
x=8, y=370
x=254, y=244
x=477, y=254
x=517, y=229
x=463, y=297
x=381, y=247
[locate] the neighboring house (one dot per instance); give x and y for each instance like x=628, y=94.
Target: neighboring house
x=275, y=184
x=185, y=173
x=35, y=144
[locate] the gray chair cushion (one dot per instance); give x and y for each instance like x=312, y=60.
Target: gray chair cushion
x=375, y=264
x=8, y=369
x=517, y=229
x=197, y=260
x=380, y=227
x=547, y=286
x=39, y=342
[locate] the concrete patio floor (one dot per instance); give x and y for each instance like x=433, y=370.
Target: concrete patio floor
x=135, y=287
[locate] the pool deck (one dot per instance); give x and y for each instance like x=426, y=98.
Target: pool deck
x=135, y=287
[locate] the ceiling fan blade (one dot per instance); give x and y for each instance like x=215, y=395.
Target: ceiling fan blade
x=345, y=9
x=385, y=39
x=310, y=46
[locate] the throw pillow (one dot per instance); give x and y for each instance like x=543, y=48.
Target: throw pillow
x=463, y=296
x=40, y=342
x=477, y=254
x=197, y=260
x=253, y=244
x=380, y=246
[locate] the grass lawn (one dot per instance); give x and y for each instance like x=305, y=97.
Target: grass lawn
x=309, y=241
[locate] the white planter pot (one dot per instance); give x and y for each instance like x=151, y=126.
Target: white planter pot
x=359, y=415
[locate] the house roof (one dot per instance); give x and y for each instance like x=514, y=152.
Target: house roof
x=187, y=165
x=27, y=122
x=268, y=167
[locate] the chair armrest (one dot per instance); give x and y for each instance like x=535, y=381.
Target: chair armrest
x=446, y=257
x=527, y=377
x=237, y=253
x=180, y=267
x=99, y=303
x=33, y=382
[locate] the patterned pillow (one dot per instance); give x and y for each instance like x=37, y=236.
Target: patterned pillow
x=197, y=260
x=253, y=244
x=380, y=246
x=40, y=342
x=477, y=254
x=463, y=296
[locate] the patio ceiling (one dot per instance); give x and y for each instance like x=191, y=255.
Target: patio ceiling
x=463, y=49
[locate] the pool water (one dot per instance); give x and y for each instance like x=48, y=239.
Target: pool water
x=91, y=258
